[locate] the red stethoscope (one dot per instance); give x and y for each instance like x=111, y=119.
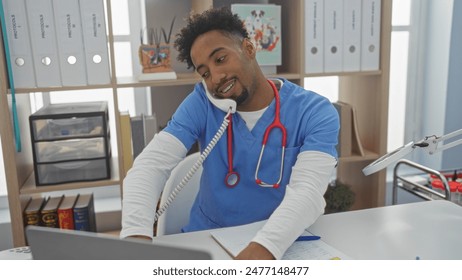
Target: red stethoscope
x=232, y=177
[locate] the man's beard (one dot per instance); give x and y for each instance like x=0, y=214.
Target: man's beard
x=243, y=97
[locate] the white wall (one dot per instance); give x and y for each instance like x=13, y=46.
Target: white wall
x=436, y=65
x=442, y=90
x=452, y=158
x=439, y=100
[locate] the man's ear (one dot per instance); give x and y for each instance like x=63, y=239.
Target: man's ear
x=249, y=48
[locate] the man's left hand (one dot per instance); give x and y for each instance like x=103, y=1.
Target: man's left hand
x=255, y=251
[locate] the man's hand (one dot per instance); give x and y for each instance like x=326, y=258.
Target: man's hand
x=255, y=251
x=141, y=237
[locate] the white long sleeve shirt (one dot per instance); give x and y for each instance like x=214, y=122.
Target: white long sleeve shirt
x=303, y=202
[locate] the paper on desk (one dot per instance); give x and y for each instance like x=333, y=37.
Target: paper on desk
x=235, y=239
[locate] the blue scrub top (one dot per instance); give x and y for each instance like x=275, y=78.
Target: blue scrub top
x=311, y=122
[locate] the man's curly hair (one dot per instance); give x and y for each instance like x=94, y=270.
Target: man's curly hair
x=214, y=19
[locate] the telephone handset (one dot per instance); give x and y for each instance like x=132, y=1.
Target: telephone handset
x=229, y=107
x=227, y=104
x=222, y=104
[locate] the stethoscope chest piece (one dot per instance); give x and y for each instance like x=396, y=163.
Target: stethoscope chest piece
x=232, y=179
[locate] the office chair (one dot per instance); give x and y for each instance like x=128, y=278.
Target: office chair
x=177, y=214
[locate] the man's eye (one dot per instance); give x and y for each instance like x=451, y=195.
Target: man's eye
x=205, y=75
x=220, y=59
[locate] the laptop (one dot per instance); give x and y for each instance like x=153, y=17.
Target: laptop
x=59, y=244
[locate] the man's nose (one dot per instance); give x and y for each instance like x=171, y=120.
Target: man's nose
x=218, y=76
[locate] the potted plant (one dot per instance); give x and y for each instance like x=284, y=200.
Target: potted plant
x=339, y=197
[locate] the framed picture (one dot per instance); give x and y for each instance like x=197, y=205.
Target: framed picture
x=263, y=23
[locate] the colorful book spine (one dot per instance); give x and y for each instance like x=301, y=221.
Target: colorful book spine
x=66, y=212
x=32, y=215
x=50, y=212
x=84, y=213
x=66, y=219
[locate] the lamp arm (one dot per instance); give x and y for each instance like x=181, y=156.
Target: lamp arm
x=429, y=143
x=433, y=145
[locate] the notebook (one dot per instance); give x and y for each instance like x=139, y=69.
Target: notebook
x=235, y=239
x=59, y=244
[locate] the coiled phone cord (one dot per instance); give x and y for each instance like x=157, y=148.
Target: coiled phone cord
x=195, y=167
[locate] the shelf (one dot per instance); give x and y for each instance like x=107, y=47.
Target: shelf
x=133, y=82
x=30, y=186
x=183, y=79
x=358, y=158
x=361, y=73
x=63, y=88
x=286, y=75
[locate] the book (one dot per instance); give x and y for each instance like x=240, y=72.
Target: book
x=345, y=137
x=84, y=213
x=263, y=23
x=137, y=136
x=357, y=146
x=352, y=36
x=43, y=40
x=66, y=212
x=150, y=127
x=49, y=212
x=333, y=35
x=370, y=35
x=20, y=51
x=70, y=42
x=314, y=36
x=235, y=239
x=95, y=41
x=349, y=142
x=32, y=211
x=143, y=130
x=126, y=131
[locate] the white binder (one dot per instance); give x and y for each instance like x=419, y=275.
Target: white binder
x=370, y=37
x=70, y=42
x=95, y=41
x=314, y=36
x=43, y=41
x=333, y=35
x=352, y=36
x=19, y=43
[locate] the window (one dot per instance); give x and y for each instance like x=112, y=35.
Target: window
x=399, y=57
x=325, y=86
x=128, y=18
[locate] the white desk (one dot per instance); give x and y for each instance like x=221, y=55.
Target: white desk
x=429, y=230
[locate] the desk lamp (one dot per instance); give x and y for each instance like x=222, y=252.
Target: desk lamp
x=429, y=143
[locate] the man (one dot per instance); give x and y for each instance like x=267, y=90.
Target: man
x=217, y=46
